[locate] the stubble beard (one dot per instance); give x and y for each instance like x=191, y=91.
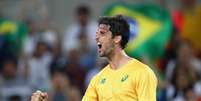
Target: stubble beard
x=108, y=50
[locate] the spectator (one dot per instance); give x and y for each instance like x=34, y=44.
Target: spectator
x=38, y=66
x=190, y=94
x=185, y=58
x=75, y=94
x=31, y=39
x=74, y=70
x=179, y=82
x=83, y=24
x=49, y=34
x=60, y=87
x=12, y=83
x=87, y=55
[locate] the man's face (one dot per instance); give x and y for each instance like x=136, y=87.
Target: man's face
x=83, y=18
x=104, y=40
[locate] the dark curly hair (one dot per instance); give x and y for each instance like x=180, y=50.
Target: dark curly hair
x=118, y=26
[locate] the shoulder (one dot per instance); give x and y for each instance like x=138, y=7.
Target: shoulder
x=98, y=75
x=139, y=66
x=142, y=71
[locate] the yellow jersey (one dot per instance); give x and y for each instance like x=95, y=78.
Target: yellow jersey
x=134, y=81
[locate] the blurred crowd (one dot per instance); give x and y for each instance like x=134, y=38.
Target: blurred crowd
x=63, y=64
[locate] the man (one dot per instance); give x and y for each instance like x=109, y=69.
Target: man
x=83, y=24
x=124, y=78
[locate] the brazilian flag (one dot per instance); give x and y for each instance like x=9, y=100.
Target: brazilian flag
x=12, y=34
x=150, y=28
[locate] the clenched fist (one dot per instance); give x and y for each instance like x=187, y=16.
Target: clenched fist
x=39, y=96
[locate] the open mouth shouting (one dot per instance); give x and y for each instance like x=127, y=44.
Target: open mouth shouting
x=99, y=47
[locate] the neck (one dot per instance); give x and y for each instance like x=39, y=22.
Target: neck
x=118, y=58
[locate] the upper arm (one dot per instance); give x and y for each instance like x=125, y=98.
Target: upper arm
x=146, y=86
x=91, y=92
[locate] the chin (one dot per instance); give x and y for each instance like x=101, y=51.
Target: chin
x=101, y=55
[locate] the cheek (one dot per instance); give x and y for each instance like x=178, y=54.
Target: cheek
x=105, y=41
x=106, y=38
x=109, y=44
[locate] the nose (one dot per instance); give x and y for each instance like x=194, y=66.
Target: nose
x=97, y=36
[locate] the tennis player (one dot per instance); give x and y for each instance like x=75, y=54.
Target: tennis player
x=124, y=78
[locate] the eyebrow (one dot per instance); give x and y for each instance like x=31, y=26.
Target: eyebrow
x=105, y=31
x=104, y=26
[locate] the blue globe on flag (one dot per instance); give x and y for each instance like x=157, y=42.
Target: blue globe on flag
x=133, y=27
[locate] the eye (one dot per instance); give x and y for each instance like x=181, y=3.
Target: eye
x=102, y=33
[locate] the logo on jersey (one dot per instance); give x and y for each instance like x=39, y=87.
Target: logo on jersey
x=124, y=78
x=103, y=81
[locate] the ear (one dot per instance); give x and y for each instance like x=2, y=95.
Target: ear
x=117, y=39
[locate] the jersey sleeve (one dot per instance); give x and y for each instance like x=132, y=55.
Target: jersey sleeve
x=91, y=92
x=146, y=86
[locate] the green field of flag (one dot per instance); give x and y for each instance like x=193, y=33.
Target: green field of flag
x=150, y=28
x=12, y=33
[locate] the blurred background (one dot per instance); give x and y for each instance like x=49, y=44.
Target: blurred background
x=49, y=45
